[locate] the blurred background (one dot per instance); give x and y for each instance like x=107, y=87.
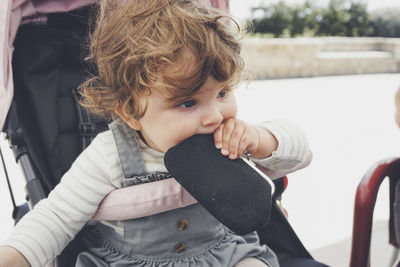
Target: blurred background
x=320, y=17
x=331, y=66
x=316, y=38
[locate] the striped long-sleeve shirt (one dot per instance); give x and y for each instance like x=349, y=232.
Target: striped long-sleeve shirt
x=45, y=231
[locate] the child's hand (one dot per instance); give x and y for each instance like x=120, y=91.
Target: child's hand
x=233, y=137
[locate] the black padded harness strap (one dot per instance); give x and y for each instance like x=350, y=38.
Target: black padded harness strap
x=87, y=128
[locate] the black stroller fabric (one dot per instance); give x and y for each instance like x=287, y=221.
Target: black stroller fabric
x=49, y=57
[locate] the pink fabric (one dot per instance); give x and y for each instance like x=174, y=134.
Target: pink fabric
x=143, y=200
x=6, y=91
x=220, y=4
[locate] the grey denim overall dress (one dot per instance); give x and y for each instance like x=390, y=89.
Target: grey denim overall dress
x=187, y=236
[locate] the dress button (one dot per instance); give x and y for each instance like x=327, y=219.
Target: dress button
x=180, y=247
x=182, y=224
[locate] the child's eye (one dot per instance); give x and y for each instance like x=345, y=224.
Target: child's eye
x=222, y=93
x=187, y=104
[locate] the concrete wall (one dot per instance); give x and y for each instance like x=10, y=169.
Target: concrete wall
x=306, y=57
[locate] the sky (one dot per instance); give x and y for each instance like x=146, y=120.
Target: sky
x=240, y=9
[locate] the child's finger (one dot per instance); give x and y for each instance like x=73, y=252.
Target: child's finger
x=218, y=137
x=228, y=127
x=245, y=141
x=234, y=142
x=253, y=141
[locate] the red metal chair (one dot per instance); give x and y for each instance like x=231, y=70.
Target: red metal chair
x=366, y=194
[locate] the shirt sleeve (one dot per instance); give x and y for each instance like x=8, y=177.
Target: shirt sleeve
x=293, y=152
x=46, y=230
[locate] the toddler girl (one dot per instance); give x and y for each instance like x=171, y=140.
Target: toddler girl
x=166, y=71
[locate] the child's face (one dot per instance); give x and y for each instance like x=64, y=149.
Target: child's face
x=166, y=124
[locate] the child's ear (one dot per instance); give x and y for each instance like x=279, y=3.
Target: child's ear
x=132, y=122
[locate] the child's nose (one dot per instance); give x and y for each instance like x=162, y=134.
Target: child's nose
x=212, y=118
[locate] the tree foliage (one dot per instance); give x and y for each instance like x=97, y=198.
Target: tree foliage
x=386, y=22
x=339, y=18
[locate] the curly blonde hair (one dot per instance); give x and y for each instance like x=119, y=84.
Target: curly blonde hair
x=134, y=42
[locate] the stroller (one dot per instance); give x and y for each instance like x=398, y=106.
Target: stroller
x=47, y=128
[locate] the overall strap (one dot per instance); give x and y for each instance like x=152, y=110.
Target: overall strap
x=129, y=153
